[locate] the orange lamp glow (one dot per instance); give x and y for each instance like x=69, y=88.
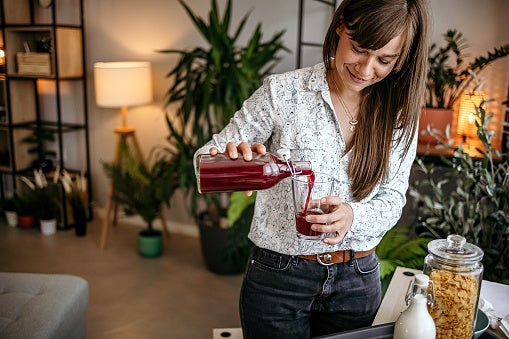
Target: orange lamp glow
x=467, y=113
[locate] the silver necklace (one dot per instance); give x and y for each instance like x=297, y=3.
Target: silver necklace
x=353, y=122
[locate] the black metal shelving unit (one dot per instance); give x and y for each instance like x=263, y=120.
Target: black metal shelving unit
x=54, y=101
x=301, y=44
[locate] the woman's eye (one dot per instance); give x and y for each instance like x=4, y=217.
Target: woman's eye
x=385, y=62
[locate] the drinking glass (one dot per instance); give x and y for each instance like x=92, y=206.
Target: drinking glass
x=307, y=192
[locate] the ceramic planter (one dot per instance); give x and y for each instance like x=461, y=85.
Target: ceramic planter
x=48, y=227
x=12, y=218
x=150, y=243
x=214, y=244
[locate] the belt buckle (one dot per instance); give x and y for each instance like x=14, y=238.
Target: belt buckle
x=324, y=259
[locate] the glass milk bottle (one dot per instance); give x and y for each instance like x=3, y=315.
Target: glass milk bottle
x=416, y=322
x=456, y=270
x=219, y=173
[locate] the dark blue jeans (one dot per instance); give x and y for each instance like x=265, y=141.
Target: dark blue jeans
x=287, y=297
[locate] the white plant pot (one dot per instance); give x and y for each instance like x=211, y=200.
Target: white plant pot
x=48, y=227
x=12, y=218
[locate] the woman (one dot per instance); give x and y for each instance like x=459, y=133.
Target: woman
x=354, y=116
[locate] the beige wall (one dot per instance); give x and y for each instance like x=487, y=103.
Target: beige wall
x=129, y=30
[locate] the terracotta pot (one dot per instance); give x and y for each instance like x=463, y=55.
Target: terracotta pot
x=26, y=221
x=437, y=118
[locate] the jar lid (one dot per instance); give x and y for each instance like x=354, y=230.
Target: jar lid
x=455, y=248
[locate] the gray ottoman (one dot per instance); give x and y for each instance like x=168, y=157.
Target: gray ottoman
x=42, y=306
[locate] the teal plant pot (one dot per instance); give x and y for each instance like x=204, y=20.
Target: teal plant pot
x=150, y=244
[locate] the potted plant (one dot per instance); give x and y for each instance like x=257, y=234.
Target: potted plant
x=473, y=200
x=9, y=208
x=25, y=210
x=76, y=195
x=448, y=77
x=141, y=190
x=209, y=84
x=45, y=199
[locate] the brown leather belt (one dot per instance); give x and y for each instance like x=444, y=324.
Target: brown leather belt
x=330, y=258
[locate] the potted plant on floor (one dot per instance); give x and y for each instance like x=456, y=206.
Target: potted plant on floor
x=448, y=77
x=45, y=199
x=141, y=190
x=8, y=206
x=76, y=195
x=209, y=84
x=25, y=210
x=473, y=200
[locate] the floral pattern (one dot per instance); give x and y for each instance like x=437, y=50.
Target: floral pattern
x=294, y=110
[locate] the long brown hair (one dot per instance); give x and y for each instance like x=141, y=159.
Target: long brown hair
x=393, y=103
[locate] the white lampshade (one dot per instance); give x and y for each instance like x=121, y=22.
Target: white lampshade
x=123, y=84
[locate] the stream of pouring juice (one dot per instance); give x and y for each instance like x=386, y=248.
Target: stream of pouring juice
x=304, y=227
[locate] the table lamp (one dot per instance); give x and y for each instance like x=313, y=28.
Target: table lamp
x=467, y=114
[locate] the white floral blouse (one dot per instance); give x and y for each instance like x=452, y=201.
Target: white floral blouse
x=294, y=110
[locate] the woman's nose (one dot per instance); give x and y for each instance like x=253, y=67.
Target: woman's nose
x=365, y=67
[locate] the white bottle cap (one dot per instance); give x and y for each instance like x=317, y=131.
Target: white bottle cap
x=283, y=153
x=421, y=280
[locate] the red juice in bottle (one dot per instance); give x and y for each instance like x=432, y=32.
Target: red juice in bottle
x=219, y=173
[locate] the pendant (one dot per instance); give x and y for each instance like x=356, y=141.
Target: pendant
x=353, y=123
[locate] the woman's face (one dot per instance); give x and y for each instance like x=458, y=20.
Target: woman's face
x=359, y=68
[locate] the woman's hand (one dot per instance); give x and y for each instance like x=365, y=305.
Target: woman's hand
x=338, y=221
x=244, y=149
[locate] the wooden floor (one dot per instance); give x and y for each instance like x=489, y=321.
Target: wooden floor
x=173, y=296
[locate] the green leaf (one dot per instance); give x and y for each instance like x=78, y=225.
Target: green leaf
x=397, y=248
x=238, y=204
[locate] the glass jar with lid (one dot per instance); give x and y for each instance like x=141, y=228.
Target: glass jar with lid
x=454, y=266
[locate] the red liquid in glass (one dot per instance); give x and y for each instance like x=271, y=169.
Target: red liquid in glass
x=219, y=173
x=304, y=227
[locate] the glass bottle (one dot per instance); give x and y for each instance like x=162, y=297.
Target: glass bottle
x=456, y=270
x=416, y=322
x=219, y=173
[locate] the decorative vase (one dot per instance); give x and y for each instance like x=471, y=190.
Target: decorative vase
x=26, y=221
x=48, y=227
x=12, y=218
x=436, y=118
